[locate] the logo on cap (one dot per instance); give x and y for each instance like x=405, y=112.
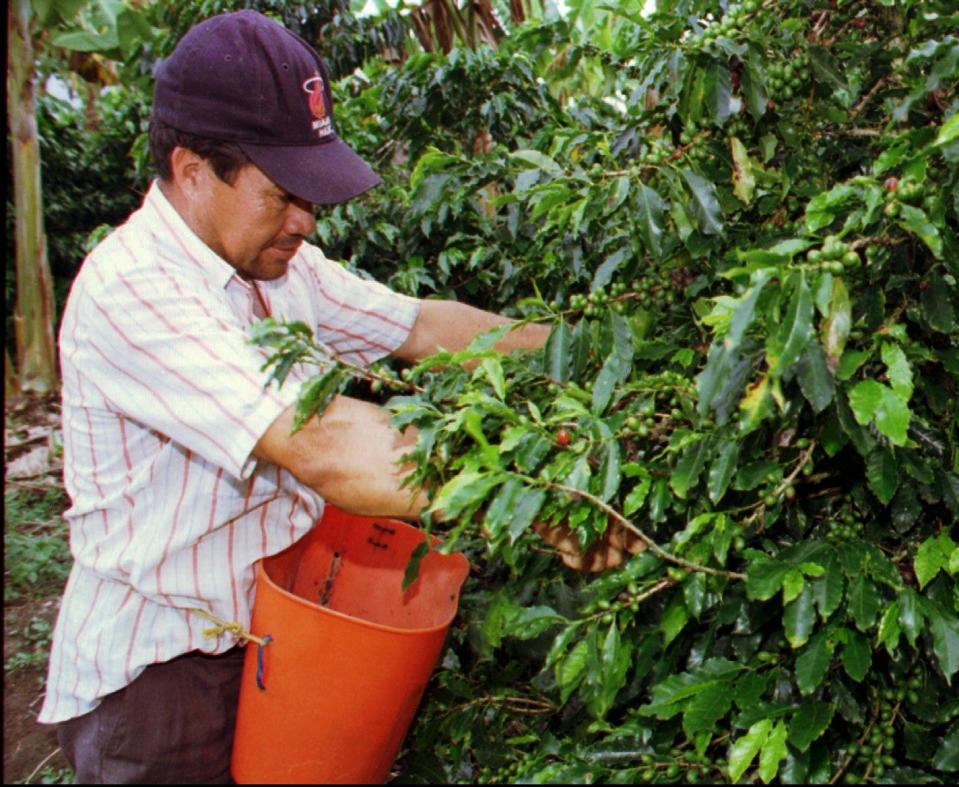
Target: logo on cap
x=315, y=88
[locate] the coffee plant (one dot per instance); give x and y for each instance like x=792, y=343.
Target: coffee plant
x=740, y=221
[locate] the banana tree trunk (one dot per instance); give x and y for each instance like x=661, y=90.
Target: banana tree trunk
x=33, y=313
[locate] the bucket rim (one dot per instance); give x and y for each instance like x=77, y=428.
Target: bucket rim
x=261, y=572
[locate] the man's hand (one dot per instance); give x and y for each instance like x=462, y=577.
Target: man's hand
x=608, y=551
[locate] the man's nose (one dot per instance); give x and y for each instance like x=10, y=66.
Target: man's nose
x=300, y=219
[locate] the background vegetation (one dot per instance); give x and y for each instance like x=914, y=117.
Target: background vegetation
x=741, y=220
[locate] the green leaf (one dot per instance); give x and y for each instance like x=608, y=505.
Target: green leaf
x=705, y=204
x=889, y=629
x=893, y=417
x=949, y=131
x=773, y=752
x=464, y=490
x=835, y=328
x=937, y=306
x=524, y=512
x=765, y=576
x=946, y=757
x=615, y=660
x=412, y=571
x=722, y=469
x=911, y=615
x=882, y=474
x=799, y=618
x=809, y=722
x=637, y=495
x=746, y=747
x=898, y=370
x=864, y=399
x=674, y=619
x=610, y=471
x=796, y=329
x=558, y=353
x=530, y=622
x=538, y=160
x=850, y=362
x=823, y=209
x=660, y=500
x=932, y=556
x=813, y=663
x=493, y=370
x=718, y=94
x=753, y=88
x=815, y=379
x=864, y=601
x=649, y=218
x=571, y=670
x=856, y=656
x=610, y=265
x=604, y=383
x=723, y=355
x=914, y=220
x=945, y=642
x=706, y=708
x=689, y=467
x=828, y=588
x=744, y=181
x=499, y=513
x=88, y=41
x=314, y=396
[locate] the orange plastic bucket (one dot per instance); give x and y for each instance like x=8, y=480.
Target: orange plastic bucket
x=349, y=655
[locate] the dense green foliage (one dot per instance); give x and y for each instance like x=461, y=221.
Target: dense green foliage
x=745, y=232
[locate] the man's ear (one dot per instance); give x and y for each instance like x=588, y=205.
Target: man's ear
x=189, y=170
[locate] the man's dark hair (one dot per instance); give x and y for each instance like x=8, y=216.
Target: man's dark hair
x=226, y=158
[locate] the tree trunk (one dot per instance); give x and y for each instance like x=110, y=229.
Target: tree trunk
x=33, y=313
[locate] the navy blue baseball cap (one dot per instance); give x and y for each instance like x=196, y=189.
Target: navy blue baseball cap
x=243, y=78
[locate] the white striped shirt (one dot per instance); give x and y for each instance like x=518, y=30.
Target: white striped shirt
x=163, y=403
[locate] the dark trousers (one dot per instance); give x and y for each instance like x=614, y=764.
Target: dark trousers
x=172, y=725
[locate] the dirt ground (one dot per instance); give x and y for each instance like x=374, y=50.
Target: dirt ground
x=30, y=750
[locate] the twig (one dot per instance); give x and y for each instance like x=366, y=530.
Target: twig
x=849, y=132
x=43, y=762
x=865, y=99
x=648, y=594
x=650, y=544
x=532, y=706
x=780, y=488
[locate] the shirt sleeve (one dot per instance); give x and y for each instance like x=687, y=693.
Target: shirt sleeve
x=164, y=349
x=360, y=320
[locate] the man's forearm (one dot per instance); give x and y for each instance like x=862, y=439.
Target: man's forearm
x=450, y=325
x=350, y=455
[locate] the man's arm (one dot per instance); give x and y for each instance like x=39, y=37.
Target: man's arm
x=450, y=325
x=349, y=455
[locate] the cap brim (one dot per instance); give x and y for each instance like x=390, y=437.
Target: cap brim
x=323, y=174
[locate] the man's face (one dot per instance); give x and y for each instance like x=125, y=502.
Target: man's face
x=253, y=224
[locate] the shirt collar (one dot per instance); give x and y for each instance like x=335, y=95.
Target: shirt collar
x=175, y=234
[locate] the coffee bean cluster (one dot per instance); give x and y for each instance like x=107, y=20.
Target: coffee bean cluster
x=835, y=256
x=654, y=287
x=788, y=80
x=909, y=191
x=693, y=142
x=845, y=526
x=874, y=751
x=731, y=24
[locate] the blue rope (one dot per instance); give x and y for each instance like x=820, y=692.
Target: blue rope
x=267, y=639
